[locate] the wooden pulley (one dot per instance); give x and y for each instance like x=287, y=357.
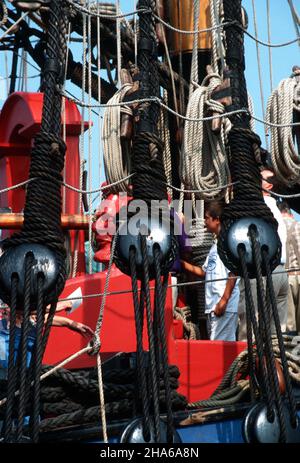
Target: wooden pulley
x=180, y=14
x=280, y=376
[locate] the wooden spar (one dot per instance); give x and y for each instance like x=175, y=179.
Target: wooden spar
x=14, y=221
x=180, y=14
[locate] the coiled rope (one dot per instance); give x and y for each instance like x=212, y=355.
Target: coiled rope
x=116, y=162
x=282, y=104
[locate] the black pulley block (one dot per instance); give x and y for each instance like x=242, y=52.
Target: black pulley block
x=257, y=428
x=236, y=233
x=45, y=263
x=134, y=433
x=158, y=233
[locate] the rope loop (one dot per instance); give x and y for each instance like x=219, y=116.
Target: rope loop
x=95, y=345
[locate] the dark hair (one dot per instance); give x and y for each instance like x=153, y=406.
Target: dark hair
x=283, y=206
x=215, y=208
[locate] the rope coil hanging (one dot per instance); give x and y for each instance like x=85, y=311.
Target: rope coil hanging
x=116, y=164
x=283, y=108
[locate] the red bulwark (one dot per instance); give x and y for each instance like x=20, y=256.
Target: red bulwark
x=20, y=121
x=202, y=364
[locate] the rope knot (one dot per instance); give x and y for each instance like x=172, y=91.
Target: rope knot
x=95, y=345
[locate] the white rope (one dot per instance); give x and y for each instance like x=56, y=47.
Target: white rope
x=99, y=141
x=119, y=57
x=81, y=144
x=204, y=161
x=270, y=50
x=96, y=13
x=115, y=167
x=101, y=398
x=281, y=105
x=90, y=253
x=13, y=25
x=261, y=88
x=164, y=134
x=214, y=58
x=54, y=369
x=194, y=63
x=251, y=111
x=222, y=26
x=181, y=116
x=296, y=19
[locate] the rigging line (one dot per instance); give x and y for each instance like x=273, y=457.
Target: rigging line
x=90, y=144
x=13, y=25
x=195, y=31
x=119, y=55
x=54, y=369
x=77, y=190
x=18, y=185
x=216, y=10
x=266, y=44
x=296, y=19
x=170, y=68
x=222, y=26
x=277, y=195
x=103, y=15
x=270, y=50
x=98, y=190
x=262, y=99
x=209, y=118
x=135, y=34
x=221, y=187
x=64, y=114
x=99, y=93
x=152, y=288
x=63, y=93
x=181, y=31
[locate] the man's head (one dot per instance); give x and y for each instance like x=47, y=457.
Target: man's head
x=284, y=208
x=213, y=212
x=267, y=176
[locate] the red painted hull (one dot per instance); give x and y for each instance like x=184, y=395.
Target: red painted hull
x=202, y=364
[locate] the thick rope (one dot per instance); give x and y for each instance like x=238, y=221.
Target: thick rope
x=204, y=161
x=116, y=163
x=284, y=101
x=12, y=367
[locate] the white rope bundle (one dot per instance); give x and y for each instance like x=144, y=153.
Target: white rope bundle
x=164, y=134
x=281, y=104
x=116, y=166
x=204, y=162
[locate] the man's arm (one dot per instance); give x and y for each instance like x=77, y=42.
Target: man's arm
x=85, y=330
x=61, y=305
x=192, y=269
x=222, y=304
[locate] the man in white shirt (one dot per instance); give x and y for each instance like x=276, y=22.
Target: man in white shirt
x=279, y=275
x=221, y=286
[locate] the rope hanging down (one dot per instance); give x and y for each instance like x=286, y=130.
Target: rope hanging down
x=249, y=246
x=33, y=262
x=145, y=256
